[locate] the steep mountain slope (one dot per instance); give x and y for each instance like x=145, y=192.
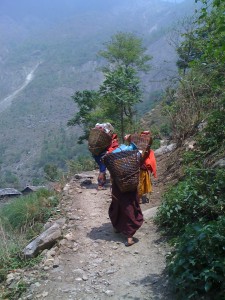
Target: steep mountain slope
x=63, y=42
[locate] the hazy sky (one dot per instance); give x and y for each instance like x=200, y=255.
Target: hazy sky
x=50, y=8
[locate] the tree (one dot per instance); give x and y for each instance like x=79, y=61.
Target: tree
x=120, y=91
x=126, y=50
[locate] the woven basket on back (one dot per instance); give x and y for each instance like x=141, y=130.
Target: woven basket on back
x=98, y=141
x=141, y=141
x=124, y=168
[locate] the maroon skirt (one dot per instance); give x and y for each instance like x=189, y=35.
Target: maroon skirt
x=125, y=212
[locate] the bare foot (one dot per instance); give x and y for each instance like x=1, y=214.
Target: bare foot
x=130, y=242
x=99, y=188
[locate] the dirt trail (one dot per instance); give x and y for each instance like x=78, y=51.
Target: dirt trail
x=93, y=262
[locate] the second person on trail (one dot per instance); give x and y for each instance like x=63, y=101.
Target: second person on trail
x=108, y=128
x=148, y=165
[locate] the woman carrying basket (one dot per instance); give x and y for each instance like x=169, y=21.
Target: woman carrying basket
x=124, y=211
x=108, y=128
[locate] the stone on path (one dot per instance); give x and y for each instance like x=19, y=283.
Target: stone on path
x=150, y=213
x=44, y=241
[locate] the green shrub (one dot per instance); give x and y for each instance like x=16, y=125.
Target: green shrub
x=165, y=129
x=51, y=172
x=197, y=265
x=214, y=133
x=200, y=197
x=191, y=157
x=81, y=163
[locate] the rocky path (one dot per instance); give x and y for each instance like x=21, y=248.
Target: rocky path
x=91, y=261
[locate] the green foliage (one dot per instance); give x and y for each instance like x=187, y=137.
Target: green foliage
x=192, y=158
x=214, y=133
x=88, y=114
x=51, y=172
x=25, y=211
x=120, y=92
x=193, y=214
x=189, y=104
x=16, y=291
x=213, y=19
x=10, y=246
x=165, y=130
x=81, y=163
x=156, y=144
x=58, y=148
x=10, y=179
x=126, y=50
x=20, y=221
x=200, y=197
x=38, y=181
x=188, y=50
x=197, y=265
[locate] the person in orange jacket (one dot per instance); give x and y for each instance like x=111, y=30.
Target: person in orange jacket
x=148, y=165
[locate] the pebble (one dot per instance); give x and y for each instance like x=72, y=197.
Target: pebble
x=56, y=263
x=109, y=292
x=45, y=294
x=78, y=279
x=85, y=278
x=110, y=272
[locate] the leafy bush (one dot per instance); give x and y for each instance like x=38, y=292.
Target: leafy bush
x=51, y=172
x=81, y=163
x=214, y=133
x=197, y=265
x=199, y=198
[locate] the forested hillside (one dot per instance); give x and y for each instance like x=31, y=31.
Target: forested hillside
x=47, y=53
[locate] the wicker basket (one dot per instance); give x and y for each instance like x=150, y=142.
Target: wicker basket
x=141, y=141
x=98, y=141
x=124, y=168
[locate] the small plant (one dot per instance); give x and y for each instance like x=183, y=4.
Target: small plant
x=16, y=291
x=190, y=157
